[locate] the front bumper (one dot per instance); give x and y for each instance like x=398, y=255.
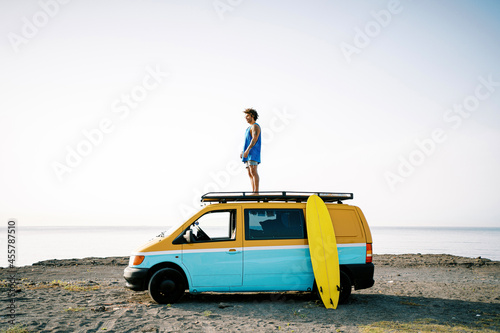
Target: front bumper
x=136, y=278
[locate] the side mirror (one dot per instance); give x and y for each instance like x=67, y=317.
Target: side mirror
x=188, y=235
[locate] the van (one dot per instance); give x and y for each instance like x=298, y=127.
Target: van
x=241, y=242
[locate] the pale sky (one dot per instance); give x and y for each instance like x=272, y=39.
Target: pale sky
x=125, y=112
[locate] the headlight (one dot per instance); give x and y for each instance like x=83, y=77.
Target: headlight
x=136, y=260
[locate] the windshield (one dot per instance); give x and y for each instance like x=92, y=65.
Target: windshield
x=170, y=230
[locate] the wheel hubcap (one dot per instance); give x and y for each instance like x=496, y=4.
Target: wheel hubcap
x=167, y=286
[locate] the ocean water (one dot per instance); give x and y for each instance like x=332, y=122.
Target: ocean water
x=465, y=242
x=35, y=244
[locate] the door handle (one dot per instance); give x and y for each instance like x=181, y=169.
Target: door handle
x=232, y=251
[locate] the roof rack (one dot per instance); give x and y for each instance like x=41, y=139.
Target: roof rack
x=223, y=197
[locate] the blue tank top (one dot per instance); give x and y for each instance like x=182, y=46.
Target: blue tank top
x=254, y=154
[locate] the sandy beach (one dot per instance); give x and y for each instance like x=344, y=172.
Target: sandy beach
x=412, y=293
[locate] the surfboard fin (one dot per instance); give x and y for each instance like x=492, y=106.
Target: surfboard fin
x=321, y=289
x=331, y=302
x=338, y=288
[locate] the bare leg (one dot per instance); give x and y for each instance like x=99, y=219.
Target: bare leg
x=250, y=176
x=254, y=177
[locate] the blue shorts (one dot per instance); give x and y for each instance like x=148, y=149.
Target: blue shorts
x=248, y=163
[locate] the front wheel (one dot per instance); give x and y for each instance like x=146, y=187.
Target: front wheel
x=166, y=286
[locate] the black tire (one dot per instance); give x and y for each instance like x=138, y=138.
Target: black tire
x=166, y=286
x=345, y=288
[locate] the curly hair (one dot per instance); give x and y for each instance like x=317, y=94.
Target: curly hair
x=253, y=113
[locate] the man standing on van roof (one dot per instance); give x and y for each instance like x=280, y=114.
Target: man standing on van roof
x=251, y=151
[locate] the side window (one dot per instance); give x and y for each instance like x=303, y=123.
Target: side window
x=274, y=224
x=215, y=226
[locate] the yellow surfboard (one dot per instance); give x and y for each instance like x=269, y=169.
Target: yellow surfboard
x=323, y=250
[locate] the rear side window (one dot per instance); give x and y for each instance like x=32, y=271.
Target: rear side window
x=274, y=224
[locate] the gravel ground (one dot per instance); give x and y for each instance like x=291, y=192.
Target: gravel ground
x=411, y=292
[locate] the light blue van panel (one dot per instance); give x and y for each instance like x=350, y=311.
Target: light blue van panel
x=352, y=254
x=211, y=269
x=277, y=268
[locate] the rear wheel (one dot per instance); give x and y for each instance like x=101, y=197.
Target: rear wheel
x=345, y=288
x=166, y=286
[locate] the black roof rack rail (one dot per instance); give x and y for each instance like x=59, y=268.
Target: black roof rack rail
x=223, y=197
